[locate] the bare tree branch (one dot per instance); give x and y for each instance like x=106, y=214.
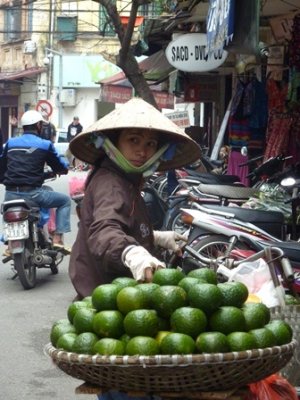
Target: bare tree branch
x=126, y=60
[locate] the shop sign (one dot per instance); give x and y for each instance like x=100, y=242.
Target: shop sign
x=220, y=23
x=180, y=118
x=188, y=53
x=121, y=94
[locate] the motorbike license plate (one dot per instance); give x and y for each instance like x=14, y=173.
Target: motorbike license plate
x=16, y=230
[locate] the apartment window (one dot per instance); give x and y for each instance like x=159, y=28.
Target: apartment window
x=12, y=23
x=66, y=28
x=106, y=28
x=150, y=10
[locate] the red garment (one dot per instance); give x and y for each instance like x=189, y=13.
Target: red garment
x=278, y=133
x=277, y=94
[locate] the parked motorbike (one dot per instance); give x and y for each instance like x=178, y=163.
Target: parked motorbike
x=216, y=233
x=29, y=246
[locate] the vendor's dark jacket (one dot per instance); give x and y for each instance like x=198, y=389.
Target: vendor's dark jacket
x=23, y=160
x=113, y=216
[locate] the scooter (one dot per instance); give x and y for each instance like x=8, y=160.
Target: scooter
x=29, y=246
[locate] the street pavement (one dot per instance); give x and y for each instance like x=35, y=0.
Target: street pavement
x=26, y=317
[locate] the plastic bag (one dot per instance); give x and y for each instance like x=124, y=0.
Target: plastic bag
x=274, y=387
x=77, y=184
x=257, y=277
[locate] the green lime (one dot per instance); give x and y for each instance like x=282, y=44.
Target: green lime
x=61, y=321
x=142, y=345
x=264, y=337
x=207, y=274
x=104, y=297
x=124, y=281
x=188, y=282
x=109, y=347
x=66, y=341
x=212, y=342
x=177, y=343
x=257, y=315
x=74, y=307
x=131, y=298
x=167, y=276
x=83, y=320
x=234, y=293
x=59, y=330
x=227, y=319
x=147, y=290
x=281, y=330
x=141, y=323
x=167, y=299
x=206, y=296
x=160, y=335
x=88, y=299
x=125, y=338
x=241, y=341
x=108, y=323
x=188, y=320
x=84, y=343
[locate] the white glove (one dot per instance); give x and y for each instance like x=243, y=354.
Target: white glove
x=137, y=259
x=168, y=240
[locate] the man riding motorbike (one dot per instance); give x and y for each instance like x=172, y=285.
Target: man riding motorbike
x=22, y=166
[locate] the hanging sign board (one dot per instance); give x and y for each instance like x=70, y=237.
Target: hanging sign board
x=219, y=23
x=188, y=53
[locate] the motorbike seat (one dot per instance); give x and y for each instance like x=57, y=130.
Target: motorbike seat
x=207, y=177
x=227, y=191
x=270, y=221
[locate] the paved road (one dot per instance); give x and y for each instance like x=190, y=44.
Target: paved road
x=25, y=322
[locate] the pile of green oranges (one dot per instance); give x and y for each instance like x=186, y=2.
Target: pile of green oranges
x=175, y=314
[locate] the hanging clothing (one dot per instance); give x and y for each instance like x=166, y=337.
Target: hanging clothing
x=234, y=160
x=278, y=134
x=277, y=94
x=248, y=115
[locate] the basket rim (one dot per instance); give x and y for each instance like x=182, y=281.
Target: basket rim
x=58, y=355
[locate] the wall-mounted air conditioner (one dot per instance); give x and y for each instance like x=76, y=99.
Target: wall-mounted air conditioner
x=68, y=97
x=29, y=47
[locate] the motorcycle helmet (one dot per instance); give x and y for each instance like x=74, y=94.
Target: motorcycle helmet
x=31, y=117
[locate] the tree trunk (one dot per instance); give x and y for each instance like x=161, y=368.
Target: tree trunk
x=126, y=60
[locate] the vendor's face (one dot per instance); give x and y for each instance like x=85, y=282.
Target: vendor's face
x=137, y=145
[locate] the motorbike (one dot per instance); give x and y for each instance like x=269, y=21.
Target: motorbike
x=29, y=245
x=216, y=233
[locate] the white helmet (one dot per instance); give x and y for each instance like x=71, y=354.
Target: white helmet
x=31, y=117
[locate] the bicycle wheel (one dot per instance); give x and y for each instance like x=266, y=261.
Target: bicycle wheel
x=210, y=248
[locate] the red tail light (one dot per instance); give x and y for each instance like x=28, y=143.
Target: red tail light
x=15, y=215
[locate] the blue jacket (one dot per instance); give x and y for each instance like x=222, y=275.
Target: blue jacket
x=23, y=161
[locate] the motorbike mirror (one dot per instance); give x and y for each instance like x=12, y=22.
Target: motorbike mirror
x=244, y=151
x=288, y=182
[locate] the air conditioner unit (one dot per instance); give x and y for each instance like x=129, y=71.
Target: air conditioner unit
x=68, y=97
x=29, y=47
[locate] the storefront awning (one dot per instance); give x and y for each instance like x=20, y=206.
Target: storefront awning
x=154, y=68
x=27, y=73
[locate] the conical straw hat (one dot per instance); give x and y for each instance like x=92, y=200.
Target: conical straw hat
x=136, y=113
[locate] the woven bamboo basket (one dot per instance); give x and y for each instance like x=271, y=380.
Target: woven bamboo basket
x=177, y=373
x=291, y=314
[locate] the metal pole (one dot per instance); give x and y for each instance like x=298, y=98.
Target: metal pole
x=60, y=84
x=60, y=111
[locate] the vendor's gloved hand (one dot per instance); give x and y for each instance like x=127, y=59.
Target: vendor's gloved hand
x=169, y=240
x=141, y=263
